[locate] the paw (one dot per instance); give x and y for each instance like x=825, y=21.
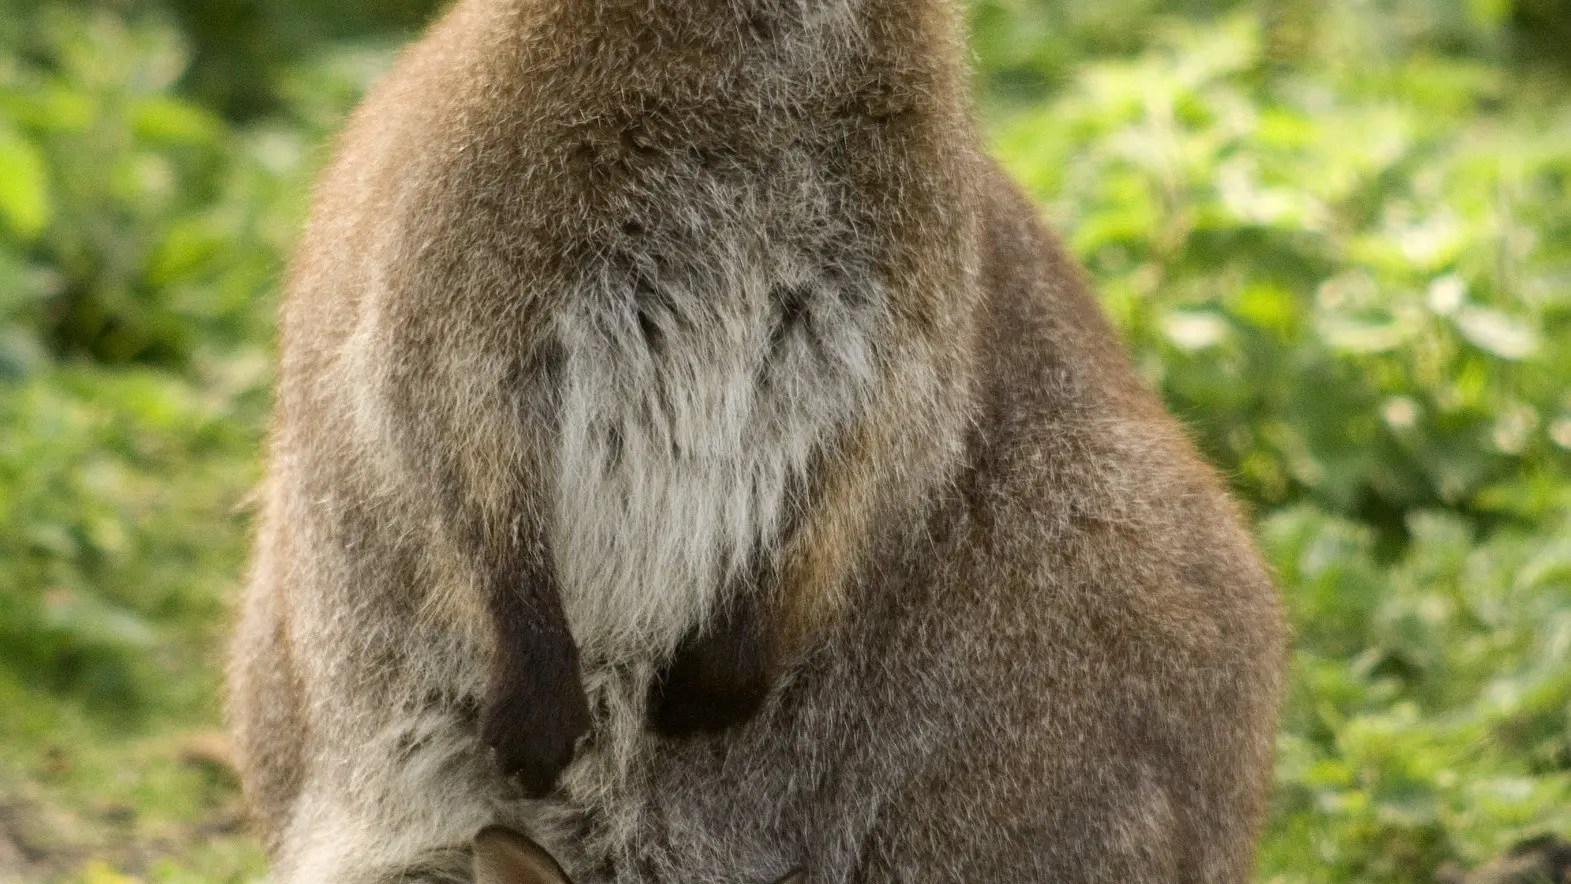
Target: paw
x=694, y=698
x=714, y=682
x=533, y=719
x=503, y=856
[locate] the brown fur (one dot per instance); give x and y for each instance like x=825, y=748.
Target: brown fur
x=936, y=591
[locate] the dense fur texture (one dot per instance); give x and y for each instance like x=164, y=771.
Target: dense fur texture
x=692, y=452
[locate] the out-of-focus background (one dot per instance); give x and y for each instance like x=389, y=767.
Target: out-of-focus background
x=1335, y=233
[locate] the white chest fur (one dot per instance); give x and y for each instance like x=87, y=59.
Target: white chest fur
x=695, y=393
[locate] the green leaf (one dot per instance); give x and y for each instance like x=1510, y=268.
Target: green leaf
x=24, y=185
x=1497, y=333
x=169, y=120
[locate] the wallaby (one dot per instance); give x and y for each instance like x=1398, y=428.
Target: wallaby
x=691, y=451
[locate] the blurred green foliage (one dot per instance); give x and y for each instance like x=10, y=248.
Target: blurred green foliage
x=1337, y=237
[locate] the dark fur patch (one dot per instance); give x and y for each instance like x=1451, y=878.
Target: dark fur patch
x=794, y=310
x=720, y=676
x=535, y=709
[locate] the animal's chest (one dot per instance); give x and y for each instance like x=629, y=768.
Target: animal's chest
x=708, y=352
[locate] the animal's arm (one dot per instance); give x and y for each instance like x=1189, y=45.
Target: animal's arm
x=535, y=708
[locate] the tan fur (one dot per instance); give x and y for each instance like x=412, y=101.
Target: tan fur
x=701, y=336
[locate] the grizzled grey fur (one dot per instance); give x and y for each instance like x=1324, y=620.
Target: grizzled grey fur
x=692, y=453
